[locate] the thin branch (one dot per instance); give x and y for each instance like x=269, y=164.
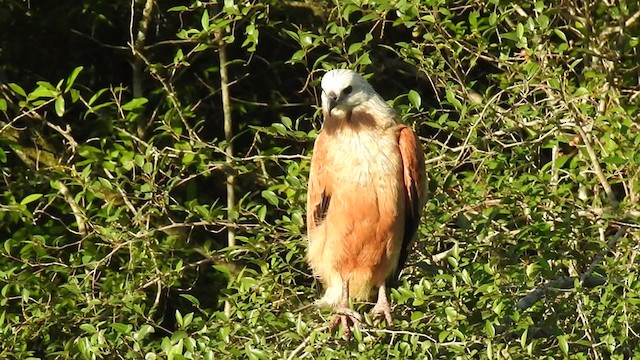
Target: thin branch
x=75, y=209
x=137, y=48
x=439, y=257
x=228, y=133
x=303, y=344
x=595, y=163
x=610, y=244
x=224, y=225
x=108, y=46
x=566, y=282
x=66, y=133
x=274, y=157
x=561, y=283
x=614, y=29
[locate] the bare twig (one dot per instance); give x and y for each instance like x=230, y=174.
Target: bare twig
x=610, y=244
x=75, y=209
x=274, y=157
x=610, y=30
x=304, y=343
x=561, y=283
x=595, y=163
x=108, y=46
x=66, y=133
x=566, y=282
x=137, y=48
x=228, y=135
x=228, y=132
x=439, y=257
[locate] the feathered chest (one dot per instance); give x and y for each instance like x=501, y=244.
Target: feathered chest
x=363, y=157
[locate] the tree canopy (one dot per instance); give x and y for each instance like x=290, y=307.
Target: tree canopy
x=155, y=156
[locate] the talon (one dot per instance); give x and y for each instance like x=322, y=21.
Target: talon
x=347, y=318
x=353, y=315
x=380, y=313
x=382, y=310
x=344, y=315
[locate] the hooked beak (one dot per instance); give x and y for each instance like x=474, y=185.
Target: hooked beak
x=332, y=99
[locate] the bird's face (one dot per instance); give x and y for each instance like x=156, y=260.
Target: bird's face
x=342, y=90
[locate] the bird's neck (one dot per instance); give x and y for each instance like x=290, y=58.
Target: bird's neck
x=372, y=115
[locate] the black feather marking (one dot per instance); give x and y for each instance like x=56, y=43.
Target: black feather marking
x=320, y=212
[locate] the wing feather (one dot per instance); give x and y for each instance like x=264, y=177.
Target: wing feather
x=318, y=195
x=414, y=177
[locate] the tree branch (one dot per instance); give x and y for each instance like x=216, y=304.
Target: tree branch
x=228, y=132
x=565, y=282
x=595, y=163
x=610, y=30
x=137, y=47
x=75, y=209
x=228, y=135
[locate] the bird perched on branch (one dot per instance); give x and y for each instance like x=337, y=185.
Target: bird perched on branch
x=366, y=192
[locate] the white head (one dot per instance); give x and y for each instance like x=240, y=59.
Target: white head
x=343, y=89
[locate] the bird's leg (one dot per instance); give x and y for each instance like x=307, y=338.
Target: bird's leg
x=382, y=309
x=344, y=314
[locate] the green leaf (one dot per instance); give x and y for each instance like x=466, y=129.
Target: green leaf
x=30, y=198
x=271, y=197
x=560, y=34
x=188, y=158
x=489, y=329
x=204, y=21
x=59, y=105
x=286, y=121
x=3, y=105
x=121, y=328
x=191, y=298
x=415, y=99
x=523, y=338
x=493, y=18
x=178, y=319
x=354, y=48
x=451, y=313
x=280, y=128
x=616, y=160
x=144, y=330
x=3, y=156
x=17, y=89
x=88, y=328
x=451, y=97
x=187, y=319
x=72, y=78
x=520, y=31
x=106, y=183
x=543, y=21
x=563, y=344
x=262, y=213
x=96, y=96
x=42, y=92
x=442, y=336
x=134, y=104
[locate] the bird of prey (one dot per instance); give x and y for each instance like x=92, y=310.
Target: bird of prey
x=367, y=187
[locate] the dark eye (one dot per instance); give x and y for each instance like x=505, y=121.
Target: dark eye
x=347, y=90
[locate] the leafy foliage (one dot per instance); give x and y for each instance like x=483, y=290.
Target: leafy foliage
x=114, y=162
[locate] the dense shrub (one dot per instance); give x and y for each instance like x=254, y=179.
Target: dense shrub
x=118, y=138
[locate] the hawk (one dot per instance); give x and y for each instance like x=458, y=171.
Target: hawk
x=366, y=192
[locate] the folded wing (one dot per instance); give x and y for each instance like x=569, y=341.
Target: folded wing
x=415, y=188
